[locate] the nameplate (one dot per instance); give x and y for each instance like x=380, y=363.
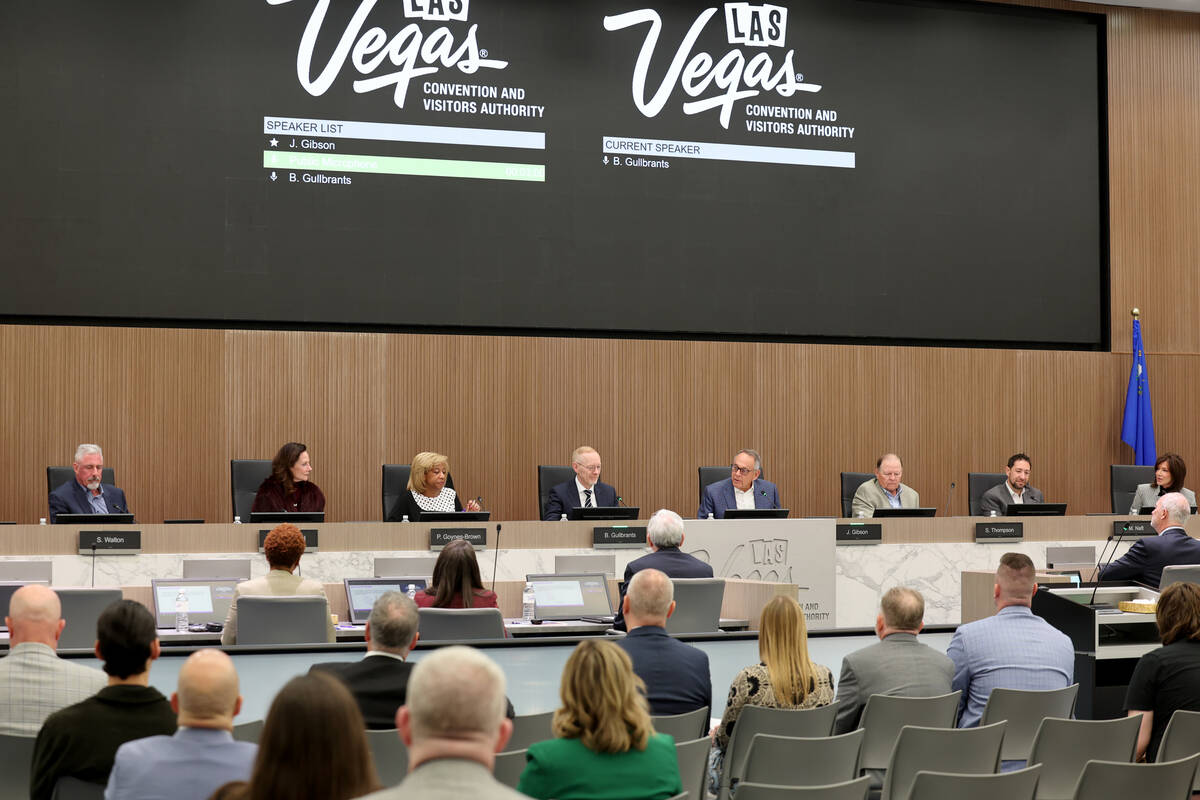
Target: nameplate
x=858, y=533
x=310, y=539
x=440, y=537
x=110, y=543
x=990, y=532
x=1131, y=528
x=615, y=536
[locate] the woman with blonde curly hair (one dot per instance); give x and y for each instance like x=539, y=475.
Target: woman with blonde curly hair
x=606, y=746
x=427, y=490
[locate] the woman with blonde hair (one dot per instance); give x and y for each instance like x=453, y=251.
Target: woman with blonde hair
x=427, y=490
x=606, y=746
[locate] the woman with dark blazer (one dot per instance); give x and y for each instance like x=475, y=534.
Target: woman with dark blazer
x=288, y=488
x=427, y=490
x=1169, y=472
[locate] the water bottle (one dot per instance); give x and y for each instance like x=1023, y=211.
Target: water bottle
x=528, y=603
x=993, y=513
x=181, y=611
x=412, y=592
x=237, y=520
x=710, y=515
x=564, y=518
x=405, y=518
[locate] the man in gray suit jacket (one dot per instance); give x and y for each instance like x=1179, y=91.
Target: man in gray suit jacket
x=1014, y=490
x=885, y=490
x=897, y=665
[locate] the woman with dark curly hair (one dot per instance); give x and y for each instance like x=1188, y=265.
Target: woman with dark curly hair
x=288, y=488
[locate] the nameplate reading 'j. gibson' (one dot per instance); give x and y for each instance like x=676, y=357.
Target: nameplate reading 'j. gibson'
x=440, y=537
x=858, y=533
x=110, y=543
x=310, y=539
x=619, y=536
x=987, y=532
x=1131, y=528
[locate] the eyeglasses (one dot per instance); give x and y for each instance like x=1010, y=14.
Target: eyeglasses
x=595, y=468
x=741, y=470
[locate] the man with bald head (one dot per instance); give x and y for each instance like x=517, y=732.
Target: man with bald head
x=885, y=490
x=1015, y=649
x=202, y=754
x=676, y=675
x=1145, y=560
x=34, y=681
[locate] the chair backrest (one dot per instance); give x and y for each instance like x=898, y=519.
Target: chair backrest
x=293, y=619
x=588, y=562
x=1123, y=480
x=977, y=484
x=438, y=624
x=16, y=753
x=1064, y=746
x=692, y=756
x=509, y=766
x=697, y=605
x=395, y=482
x=1024, y=709
x=549, y=476
x=798, y=722
x=1179, y=573
x=28, y=571
x=57, y=476
x=1180, y=739
x=389, y=754
x=849, y=790
x=883, y=716
x=245, y=476
x=248, y=731
x=1018, y=785
x=69, y=788
x=1121, y=780
x=530, y=729
x=850, y=483
x=683, y=727
x=217, y=568
x=81, y=607
x=807, y=761
x=974, y=751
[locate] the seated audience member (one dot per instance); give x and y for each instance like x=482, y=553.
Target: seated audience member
x=313, y=746
x=427, y=490
x=202, y=754
x=744, y=489
x=34, y=681
x=456, y=582
x=785, y=678
x=676, y=674
x=81, y=740
x=896, y=665
x=283, y=547
x=884, y=490
x=288, y=487
x=1015, y=649
x=1169, y=472
x=1167, y=679
x=664, y=533
x=453, y=725
x=1014, y=490
x=1145, y=560
x=86, y=494
x=585, y=491
x=605, y=745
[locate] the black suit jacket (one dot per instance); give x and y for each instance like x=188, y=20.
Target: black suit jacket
x=676, y=674
x=565, y=496
x=1145, y=560
x=672, y=562
x=71, y=498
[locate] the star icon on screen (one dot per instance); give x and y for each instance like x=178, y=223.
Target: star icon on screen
x=274, y=142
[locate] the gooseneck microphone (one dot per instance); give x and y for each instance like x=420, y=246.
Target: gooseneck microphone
x=496, y=559
x=1092, y=602
x=763, y=492
x=949, y=495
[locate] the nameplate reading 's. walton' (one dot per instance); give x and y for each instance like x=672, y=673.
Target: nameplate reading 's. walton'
x=988, y=532
x=310, y=539
x=1130, y=528
x=440, y=537
x=858, y=533
x=110, y=543
x=615, y=536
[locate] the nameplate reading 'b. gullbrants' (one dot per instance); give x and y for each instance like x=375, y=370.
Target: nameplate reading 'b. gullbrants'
x=858, y=533
x=110, y=543
x=310, y=539
x=615, y=536
x=440, y=537
x=989, y=532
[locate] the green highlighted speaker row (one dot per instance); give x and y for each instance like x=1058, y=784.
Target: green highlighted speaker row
x=392, y=165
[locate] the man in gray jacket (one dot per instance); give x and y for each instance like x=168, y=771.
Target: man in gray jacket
x=1013, y=490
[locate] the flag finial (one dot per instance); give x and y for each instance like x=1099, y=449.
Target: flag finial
x=1137, y=312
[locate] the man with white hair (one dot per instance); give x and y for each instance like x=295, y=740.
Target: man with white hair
x=34, y=681
x=664, y=533
x=86, y=494
x=1145, y=560
x=676, y=675
x=453, y=725
x=585, y=491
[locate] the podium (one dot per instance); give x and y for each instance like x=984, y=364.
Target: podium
x=1108, y=642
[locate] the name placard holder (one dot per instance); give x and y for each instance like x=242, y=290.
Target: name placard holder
x=440, y=537
x=853, y=533
x=618, y=536
x=996, y=532
x=110, y=543
x=1132, y=528
x=310, y=539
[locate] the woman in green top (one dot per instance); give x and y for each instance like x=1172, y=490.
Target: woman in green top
x=606, y=747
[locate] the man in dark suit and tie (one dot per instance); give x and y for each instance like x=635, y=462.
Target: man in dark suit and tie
x=1145, y=560
x=664, y=533
x=744, y=489
x=1015, y=488
x=676, y=675
x=85, y=494
x=585, y=491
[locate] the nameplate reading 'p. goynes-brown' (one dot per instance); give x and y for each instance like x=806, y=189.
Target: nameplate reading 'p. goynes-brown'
x=617, y=536
x=858, y=533
x=440, y=537
x=110, y=543
x=988, y=532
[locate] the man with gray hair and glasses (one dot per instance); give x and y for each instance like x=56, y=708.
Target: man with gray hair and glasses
x=744, y=489
x=85, y=494
x=664, y=533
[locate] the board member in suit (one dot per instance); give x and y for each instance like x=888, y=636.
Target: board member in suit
x=86, y=494
x=427, y=490
x=1169, y=472
x=1015, y=489
x=585, y=491
x=744, y=489
x=664, y=533
x=1145, y=560
x=885, y=490
x=288, y=488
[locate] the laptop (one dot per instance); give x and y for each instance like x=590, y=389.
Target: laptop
x=361, y=593
x=93, y=519
x=904, y=512
x=7, y=589
x=757, y=513
x=572, y=596
x=208, y=599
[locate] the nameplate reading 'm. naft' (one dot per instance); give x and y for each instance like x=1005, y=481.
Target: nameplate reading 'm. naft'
x=310, y=539
x=1130, y=528
x=110, y=543
x=615, y=536
x=988, y=532
x=858, y=533
x=440, y=537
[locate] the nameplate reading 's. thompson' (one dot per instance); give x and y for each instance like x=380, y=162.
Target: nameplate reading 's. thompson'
x=110, y=543
x=989, y=532
x=616, y=536
x=440, y=537
x=310, y=539
x=858, y=533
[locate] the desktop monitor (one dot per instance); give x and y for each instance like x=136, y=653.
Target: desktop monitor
x=208, y=599
x=287, y=516
x=7, y=589
x=361, y=593
x=904, y=512
x=757, y=513
x=1036, y=510
x=604, y=512
x=455, y=516
x=570, y=596
x=93, y=519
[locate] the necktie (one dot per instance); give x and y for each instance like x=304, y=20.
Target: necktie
x=587, y=498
